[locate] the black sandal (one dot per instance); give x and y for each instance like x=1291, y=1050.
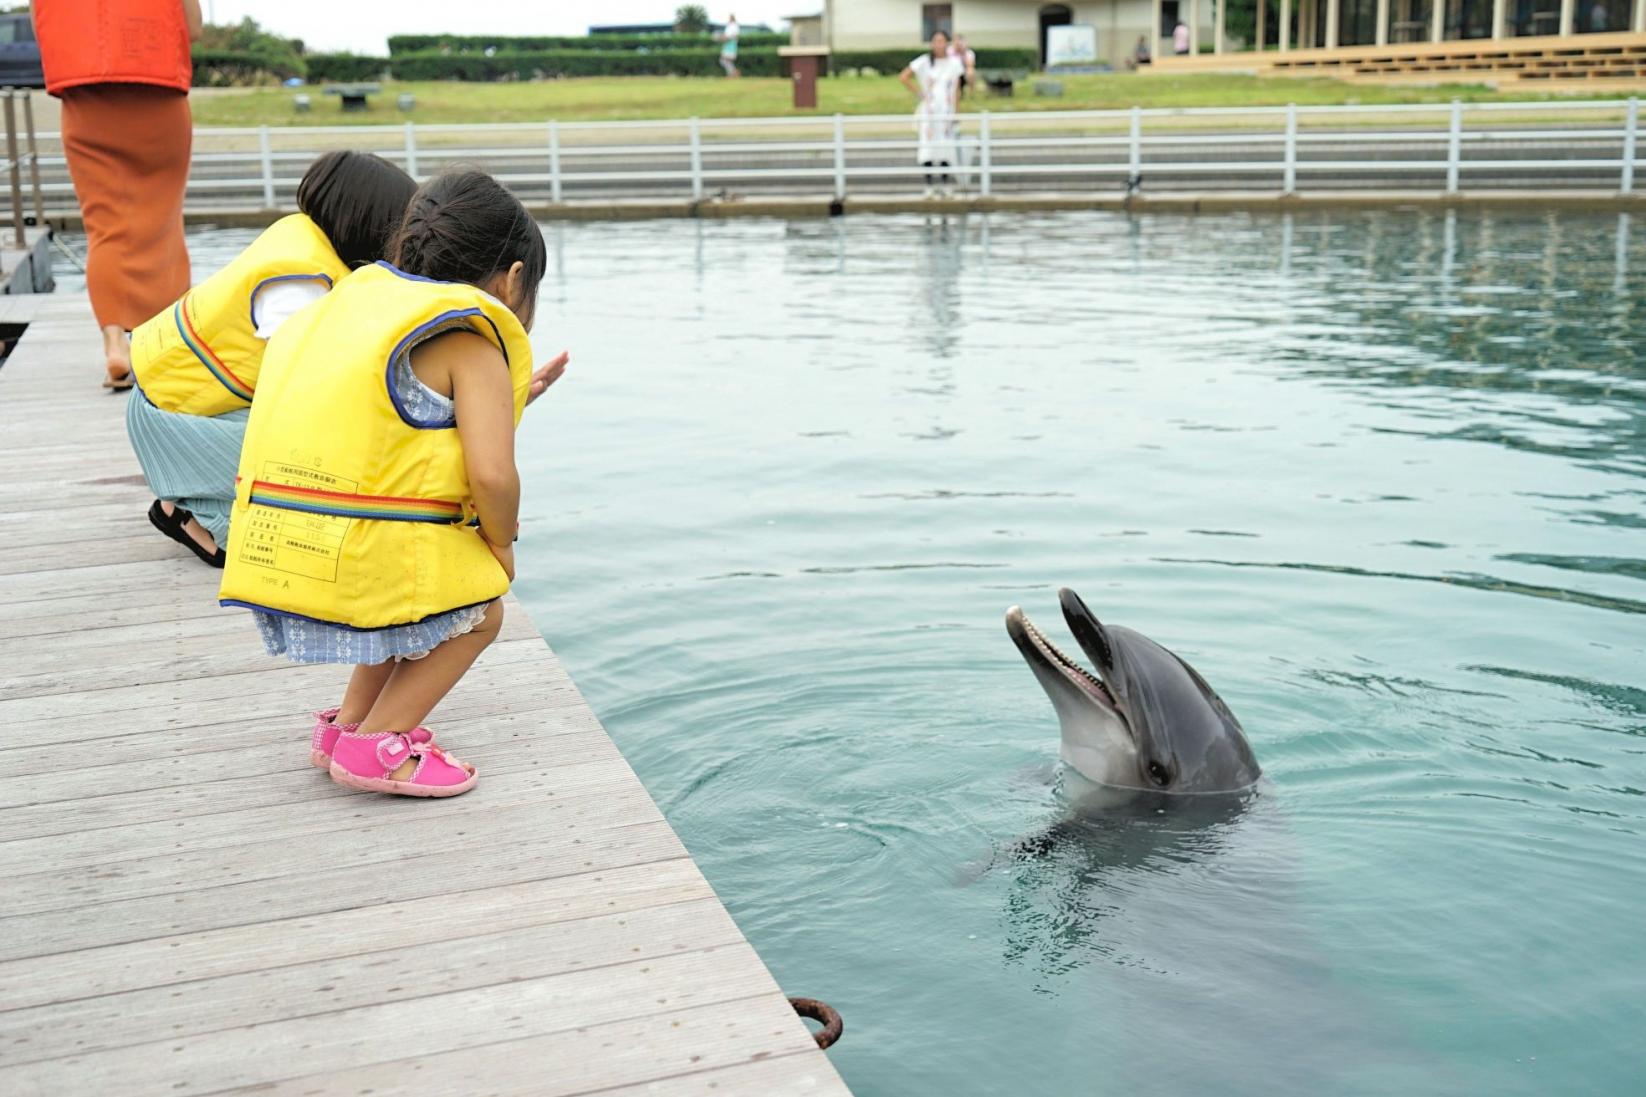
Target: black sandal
x=172, y=526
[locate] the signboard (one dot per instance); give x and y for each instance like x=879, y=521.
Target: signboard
x=1071, y=45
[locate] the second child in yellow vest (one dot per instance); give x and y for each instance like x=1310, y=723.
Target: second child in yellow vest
x=197, y=363
x=377, y=501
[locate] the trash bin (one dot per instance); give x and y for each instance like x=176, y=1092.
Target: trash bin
x=804, y=63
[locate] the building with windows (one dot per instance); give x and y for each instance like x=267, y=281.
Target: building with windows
x=1573, y=44
x=1546, y=42
x=888, y=24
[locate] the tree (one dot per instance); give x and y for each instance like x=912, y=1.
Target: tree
x=691, y=19
x=256, y=48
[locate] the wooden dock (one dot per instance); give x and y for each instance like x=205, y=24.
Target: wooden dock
x=187, y=907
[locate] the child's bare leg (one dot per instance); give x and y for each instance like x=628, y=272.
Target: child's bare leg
x=365, y=684
x=415, y=686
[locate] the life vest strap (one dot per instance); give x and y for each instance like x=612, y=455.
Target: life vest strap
x=342, y=504
x=207, y=356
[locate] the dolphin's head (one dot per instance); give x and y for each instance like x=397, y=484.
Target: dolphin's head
x=1145, y=720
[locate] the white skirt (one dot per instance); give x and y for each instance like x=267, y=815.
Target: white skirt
x=937, y=139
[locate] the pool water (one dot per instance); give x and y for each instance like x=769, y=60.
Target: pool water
x=1380, y=477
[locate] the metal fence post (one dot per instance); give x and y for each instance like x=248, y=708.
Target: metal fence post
x=1454, y=147
x=985, y=155
x=554, y=161
x=840, y=157
x=268, y=166
x=16, y=172
x=34, y=159
x=411, y=150
x=697, y=158
x=1136, y=149
x=1289, y=182
x=1627, y=184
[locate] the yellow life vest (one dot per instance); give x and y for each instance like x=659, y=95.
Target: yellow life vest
x=348, y=510
x=202, y=356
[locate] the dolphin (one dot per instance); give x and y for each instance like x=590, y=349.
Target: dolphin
x=1146, y=723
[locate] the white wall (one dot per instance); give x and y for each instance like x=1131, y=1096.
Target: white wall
x=1119, y=24
x=889, y=24
x=873, y=24
x=1000, y=23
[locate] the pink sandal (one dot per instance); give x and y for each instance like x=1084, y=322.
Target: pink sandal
x=326, y=731
x=365, y=762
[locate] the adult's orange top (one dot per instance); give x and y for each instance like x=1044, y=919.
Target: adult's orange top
x=113, y=42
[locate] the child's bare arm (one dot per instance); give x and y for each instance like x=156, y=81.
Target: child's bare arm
x=484, y=395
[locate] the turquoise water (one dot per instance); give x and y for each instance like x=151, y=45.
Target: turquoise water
x=1381, y=478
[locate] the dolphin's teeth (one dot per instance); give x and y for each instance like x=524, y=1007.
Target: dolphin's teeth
x=1068, y=663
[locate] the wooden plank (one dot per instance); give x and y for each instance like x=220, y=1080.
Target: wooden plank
x=115, y=805
x=75, y=692
x=167, y=732
x=709, y=1052
x=570, y=796
x=164, y=640
x=579, y=798
x=187, y=900
x=220, y=902
x=109, y=1022
x=173, y=960
x=572, y=776
x=393, y=1030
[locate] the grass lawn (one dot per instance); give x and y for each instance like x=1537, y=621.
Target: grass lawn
x=610, y=98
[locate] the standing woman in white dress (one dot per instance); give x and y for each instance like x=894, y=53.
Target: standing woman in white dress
x=934, y=79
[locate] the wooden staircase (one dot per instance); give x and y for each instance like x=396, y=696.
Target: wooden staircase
x=1583, y=62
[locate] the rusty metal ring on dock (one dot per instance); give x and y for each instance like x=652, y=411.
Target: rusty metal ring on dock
x=822, y=1012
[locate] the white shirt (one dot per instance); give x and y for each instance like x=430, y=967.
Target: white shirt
x=278, y=302
x=939, y=80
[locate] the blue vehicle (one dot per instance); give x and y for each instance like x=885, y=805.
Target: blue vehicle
x=19, y=53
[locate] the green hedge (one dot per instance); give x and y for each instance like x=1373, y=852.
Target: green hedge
x=596, y=43
x=893, y=61
x=345, y=67
x=534, y=64
x=239, y=68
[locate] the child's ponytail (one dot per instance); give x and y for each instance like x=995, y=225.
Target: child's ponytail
x=464, y=226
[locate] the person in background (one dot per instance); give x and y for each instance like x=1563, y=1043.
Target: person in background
x=122, y=70
x=197, y=363
x=1140, y=52
x=728, y=47
x=1598, y=17
x=968, y=59
x=934, y=79
x=379, y=501
x=1180, y=39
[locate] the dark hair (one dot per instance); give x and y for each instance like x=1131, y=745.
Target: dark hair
x=357, y=199
x=464, y=226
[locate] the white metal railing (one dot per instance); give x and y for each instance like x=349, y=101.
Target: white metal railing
x=1592, y=144
x=17, y=157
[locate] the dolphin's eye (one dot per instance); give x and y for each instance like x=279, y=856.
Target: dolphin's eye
x=1158, y=774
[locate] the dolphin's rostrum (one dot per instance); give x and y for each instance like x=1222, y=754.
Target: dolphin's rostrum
x=1145, y=720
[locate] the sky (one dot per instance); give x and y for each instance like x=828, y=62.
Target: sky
x=363, y=26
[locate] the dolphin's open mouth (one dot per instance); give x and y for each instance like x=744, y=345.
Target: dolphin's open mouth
x=1032, y=642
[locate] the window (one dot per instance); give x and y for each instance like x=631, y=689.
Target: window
x=1168, y=18
x=934, y=18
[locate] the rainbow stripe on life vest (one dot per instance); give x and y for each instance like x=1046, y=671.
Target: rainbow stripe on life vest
x=208, y=357
x=340, y=504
